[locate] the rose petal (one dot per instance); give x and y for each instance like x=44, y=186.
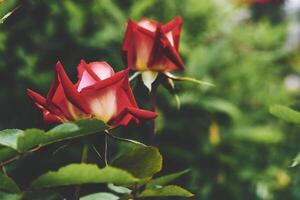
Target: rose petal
x=70, y=90
x=148, y=24
x=102, y=96
x=89, y=74
x=134, y=113
x=172, y=31
x=48, y=114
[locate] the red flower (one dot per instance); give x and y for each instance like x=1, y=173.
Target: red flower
x=149, y=45
x=98, y=93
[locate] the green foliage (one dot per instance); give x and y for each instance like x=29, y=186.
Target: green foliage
x=6, y=196
x=24, y=141
x=296, y=161
x=163, y=180
x=285, y=113
x=77, y=174
x=170, y=190
x=259, y=134
x=142, y=162
x=119, y=189
x=7, y=184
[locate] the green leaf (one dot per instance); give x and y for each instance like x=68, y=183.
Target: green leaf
x=142, y=162
x=8, y=185
x=9, y=137
x=100, y=196
x=170, y=190
x=296, y=161
x=6, y=153
x=6, y=9
x=7, y=196
x=221, y=105
x=23, y=141
x=77, y=174
x=285, y=113
x=260, y=134
x=118, y=189
x=163, y=180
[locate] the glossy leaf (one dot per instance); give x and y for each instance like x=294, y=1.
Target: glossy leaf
x=170, y=190
x=142, y=162
x=77, y=174
x=163, y=180
x=285, y=113
x=8, y=185
x=22, y=141
x=118, y=189
x=9, y=137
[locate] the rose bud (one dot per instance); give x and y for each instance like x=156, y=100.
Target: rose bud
x=150, y=47
x=99, y=93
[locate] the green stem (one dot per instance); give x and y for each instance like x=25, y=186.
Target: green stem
x=183, y=78
x=85, y=151
x=84, y=158
x=153, y=94
x=123, y=139
x=105, y=150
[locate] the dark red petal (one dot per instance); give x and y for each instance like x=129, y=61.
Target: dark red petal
x=128, y=52
x=164, y=54
x=128, y=91
x=130, y=113
x=70, y=90
x=172, y=54
x=80, y=69
x=53, y=87
x=142, y=114
x=131, y=27
x=174, y=27
x=157, y=49
x=37, y=98
x=41, y=103
x=137, y=46
x=50, y=118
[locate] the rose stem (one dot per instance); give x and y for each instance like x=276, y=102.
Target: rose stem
x=153, y=94
x=84, y=158
x=105, y=149
x=123, y=139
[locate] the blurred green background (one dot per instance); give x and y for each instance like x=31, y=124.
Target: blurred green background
x=225, y=134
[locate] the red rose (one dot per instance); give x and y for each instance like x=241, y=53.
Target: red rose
x=149, y=45
x=99, y=92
